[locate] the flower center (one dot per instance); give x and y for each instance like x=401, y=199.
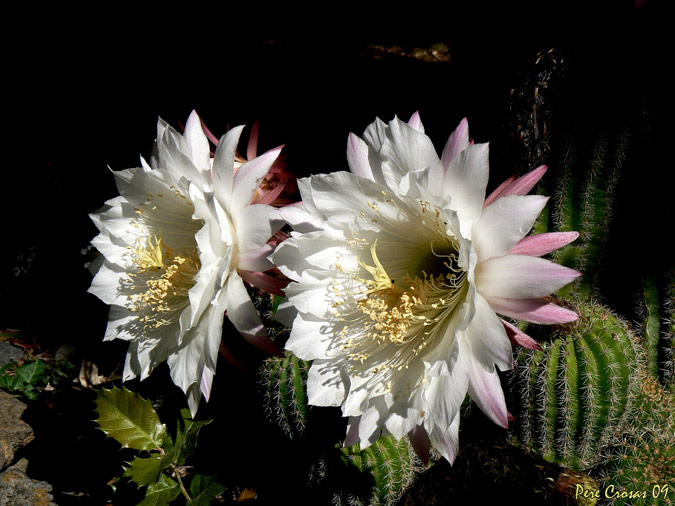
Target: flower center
x=407, y=313
x=167, y=278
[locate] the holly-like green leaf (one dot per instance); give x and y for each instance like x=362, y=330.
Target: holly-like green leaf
x=203, y=489
x=130, y=419
x=144, y=471
x=161, y=493
x=32, y=372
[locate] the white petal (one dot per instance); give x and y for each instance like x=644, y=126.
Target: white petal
x=465, y=181
x=197, y=143
x=446, y=440
x=223, y=166
x=489, y=343
x=505, y=222
x=255, y=225
x=312, y=338
x=325, y=384
x=240, y=310
x=248, y=179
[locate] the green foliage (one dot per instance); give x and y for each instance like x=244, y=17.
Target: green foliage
x=130, y=419
x=572, y=397
x=282, y=386
x=133, y=422
x=29, y=379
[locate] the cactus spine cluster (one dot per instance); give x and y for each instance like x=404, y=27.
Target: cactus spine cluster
x=572, y=397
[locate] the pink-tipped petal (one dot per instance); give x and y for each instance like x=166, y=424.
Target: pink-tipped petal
x=497, y=191
x=416, y=122
x=457, y=142
x=264, y=281
x=532, y=310
x=525, y=183
x=541, y=244
x=520, y=338
x=252, y=147
x=485, y=390
x=419, y=439
x=206, y=382
x=521, y=277
x=511, y=417
x=357, y=157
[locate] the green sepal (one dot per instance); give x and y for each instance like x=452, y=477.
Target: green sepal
x=129, y=419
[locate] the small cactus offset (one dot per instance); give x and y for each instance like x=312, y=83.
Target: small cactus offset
x=572, y=397
x=656, y=321
x=640, y=468
x=282, y=384
x=374, y=476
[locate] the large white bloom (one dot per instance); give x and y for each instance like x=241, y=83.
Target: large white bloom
x=400, y=268
x=176, y=244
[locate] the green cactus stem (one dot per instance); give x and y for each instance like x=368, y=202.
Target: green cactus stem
x=656, y=322
x=282, y=384
x=570, y=398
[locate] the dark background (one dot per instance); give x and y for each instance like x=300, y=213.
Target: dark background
x=86, y=88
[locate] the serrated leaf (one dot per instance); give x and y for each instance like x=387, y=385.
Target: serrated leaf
x=203, y=489
x=161, y=493
x=130, y=419
x=144, y=471
x=32, y=372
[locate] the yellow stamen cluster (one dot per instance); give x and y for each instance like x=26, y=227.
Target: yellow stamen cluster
x=387, y=312
x=167, y=277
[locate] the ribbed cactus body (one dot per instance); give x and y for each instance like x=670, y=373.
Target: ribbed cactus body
x=570, y=398
x=656, y=314
x=640, y=468
x=389, y=466
x=282, y=385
